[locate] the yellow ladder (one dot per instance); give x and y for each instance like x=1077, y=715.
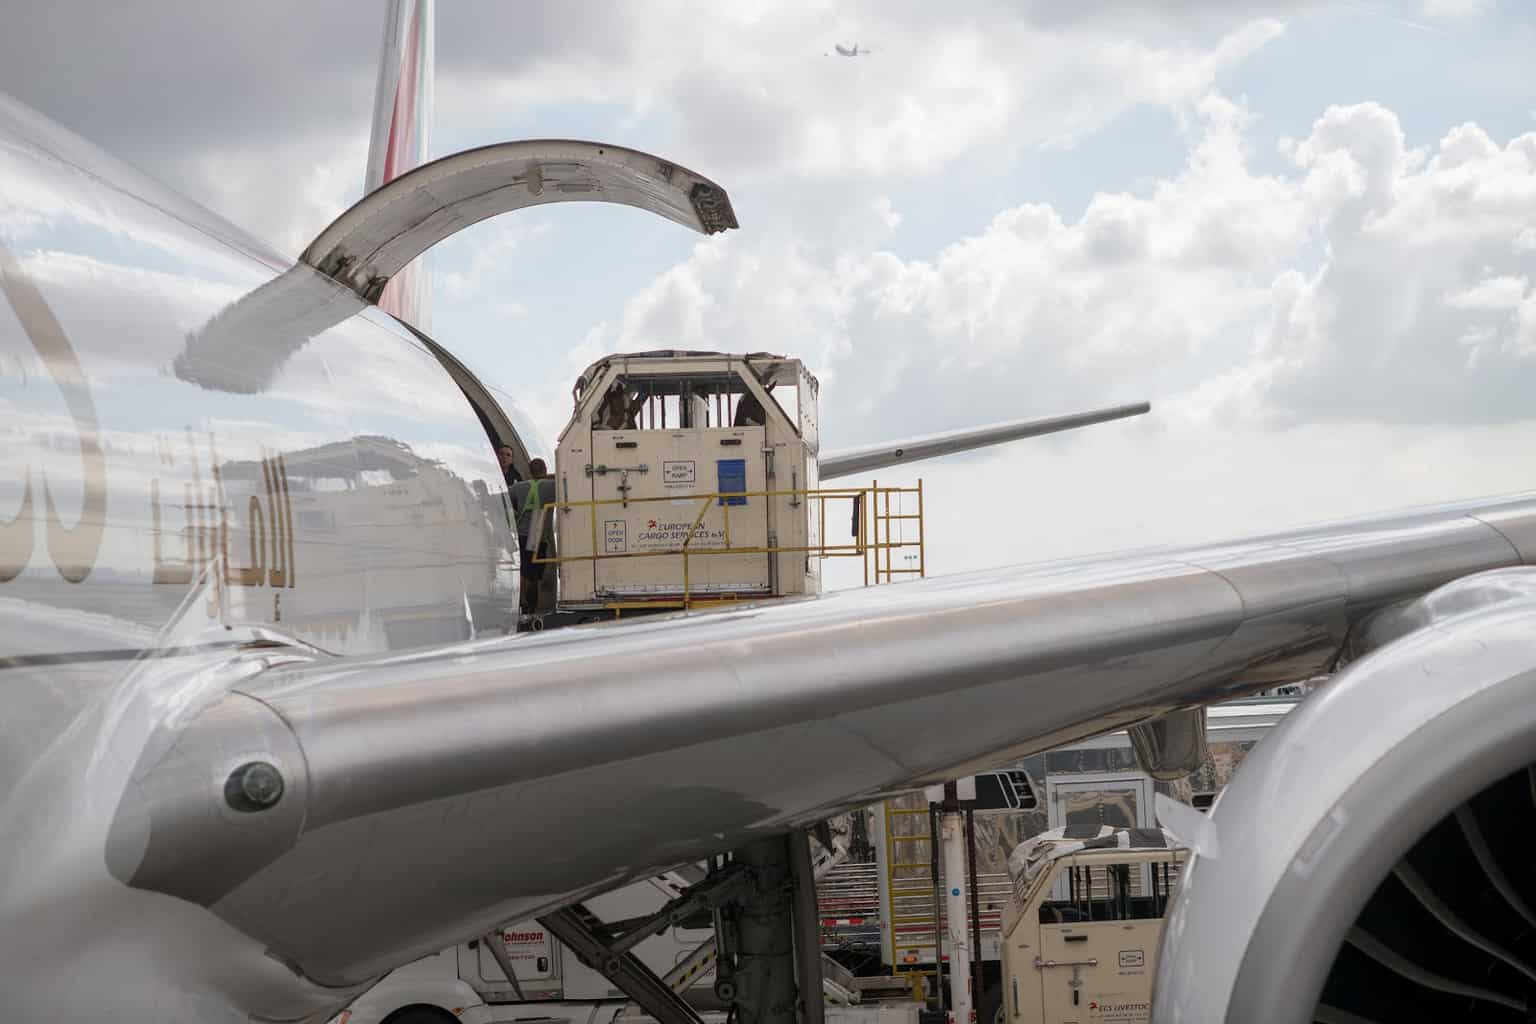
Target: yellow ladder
x=887, y=532
x=901, y=915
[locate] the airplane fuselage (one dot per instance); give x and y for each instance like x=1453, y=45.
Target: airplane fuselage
x=336, y=490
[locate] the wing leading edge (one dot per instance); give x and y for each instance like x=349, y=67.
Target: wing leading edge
x=517, y=774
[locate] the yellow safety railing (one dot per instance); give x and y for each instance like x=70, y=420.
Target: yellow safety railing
x=879, y=535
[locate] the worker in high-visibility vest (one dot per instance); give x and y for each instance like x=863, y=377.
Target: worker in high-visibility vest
x=529, y=499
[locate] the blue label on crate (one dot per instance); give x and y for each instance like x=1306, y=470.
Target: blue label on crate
x=732, y=474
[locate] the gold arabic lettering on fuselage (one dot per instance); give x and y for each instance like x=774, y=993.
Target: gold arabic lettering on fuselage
x=205, y=528
x=73, y=549
x=205, y=508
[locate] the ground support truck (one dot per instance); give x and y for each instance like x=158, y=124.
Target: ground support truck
x=1088, y=953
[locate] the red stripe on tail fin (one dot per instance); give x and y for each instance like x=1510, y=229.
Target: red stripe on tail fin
x=402, y=123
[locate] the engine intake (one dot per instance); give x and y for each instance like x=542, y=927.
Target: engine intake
x=1374, y=860
x=1449, y=934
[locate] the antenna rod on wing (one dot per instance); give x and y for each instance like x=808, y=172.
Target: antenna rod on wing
x=890, y=453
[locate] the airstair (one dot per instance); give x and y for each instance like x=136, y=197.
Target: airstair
x=590, y=940
x=608, y=946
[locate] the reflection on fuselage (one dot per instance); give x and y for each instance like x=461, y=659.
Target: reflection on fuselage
x=365, y=508
x=198, y=440
x=293, y=472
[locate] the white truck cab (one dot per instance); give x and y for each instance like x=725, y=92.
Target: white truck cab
x=1090, y=953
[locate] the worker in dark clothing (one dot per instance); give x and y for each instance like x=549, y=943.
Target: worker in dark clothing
x=749, y=411
x=533, y=500
x=507, y=457
x=620, y=410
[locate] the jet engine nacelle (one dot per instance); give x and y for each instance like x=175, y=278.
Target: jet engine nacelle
x=1372, y=859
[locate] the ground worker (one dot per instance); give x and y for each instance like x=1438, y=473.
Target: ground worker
x=507, y=457
x=533, y=500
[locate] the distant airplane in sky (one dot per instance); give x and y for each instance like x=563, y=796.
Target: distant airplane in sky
x=849, y=51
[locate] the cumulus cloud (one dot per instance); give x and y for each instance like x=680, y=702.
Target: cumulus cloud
x=1493, y=293
x=1455, y=8
x=1142, y=483
x=493, y=245
x=320, y=178
x=1417, y=244
x=751, y=89
x=215, y=100
x=1277, y=307
x=253, y=110
x=1359, y=284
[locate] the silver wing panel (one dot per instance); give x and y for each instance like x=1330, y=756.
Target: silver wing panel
x=452, y=789
x=389, y=227
x=890, y=453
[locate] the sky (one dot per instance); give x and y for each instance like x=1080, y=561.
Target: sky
x=1304, y=231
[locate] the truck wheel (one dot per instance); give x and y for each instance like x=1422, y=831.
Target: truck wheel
x=990, y=1010
x=421, y=1015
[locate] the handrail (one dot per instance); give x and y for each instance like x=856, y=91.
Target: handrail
x=875, y=534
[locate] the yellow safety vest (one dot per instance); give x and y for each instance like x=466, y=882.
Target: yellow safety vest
x=534, y=501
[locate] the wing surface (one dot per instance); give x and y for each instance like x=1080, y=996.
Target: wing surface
x=432, y=795
x=890, y=453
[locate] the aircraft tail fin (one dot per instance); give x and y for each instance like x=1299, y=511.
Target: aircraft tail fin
x=402, y=130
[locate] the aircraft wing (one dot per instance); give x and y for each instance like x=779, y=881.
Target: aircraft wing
x=877, y=456
x=430, y=796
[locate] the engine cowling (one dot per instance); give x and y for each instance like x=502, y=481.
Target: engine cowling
x=1373, y=858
